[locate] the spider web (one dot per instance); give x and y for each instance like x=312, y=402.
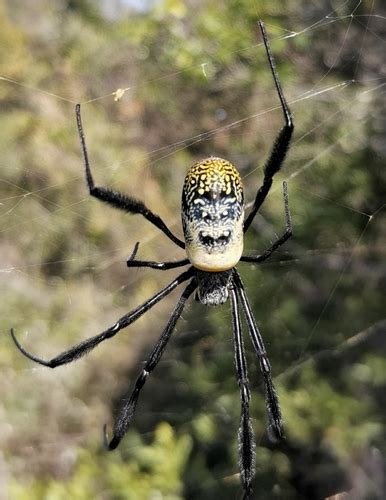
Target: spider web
x=59, y=289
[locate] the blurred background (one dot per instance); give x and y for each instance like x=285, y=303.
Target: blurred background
x=165, y=83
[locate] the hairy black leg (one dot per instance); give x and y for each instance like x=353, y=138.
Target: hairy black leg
x=127, y=411
x=280, y=241
x=246, y=437
x=282, y=141
x=88, y=345
x=162, y=266
x=273, y=409
x=117, y=199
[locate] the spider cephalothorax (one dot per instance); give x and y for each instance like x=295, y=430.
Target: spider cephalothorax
x=213, y=288
x=214, y=225
x=213, y=215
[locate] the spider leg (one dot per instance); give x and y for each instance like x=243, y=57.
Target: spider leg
x=88, y=345
x=275, y=429
x=246, y=436
x=162, y=266
x=280, y=241
x=282, y=141
x=115, y=198
x=127, y=411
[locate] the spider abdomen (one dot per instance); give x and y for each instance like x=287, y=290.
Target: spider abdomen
x=213, y=215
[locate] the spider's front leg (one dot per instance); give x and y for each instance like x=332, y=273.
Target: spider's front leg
x=276, y=430
x=126, y=414
x=246, y=436
x=88, y=345
x=115, y=198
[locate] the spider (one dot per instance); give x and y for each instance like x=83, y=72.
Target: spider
x=213, y=226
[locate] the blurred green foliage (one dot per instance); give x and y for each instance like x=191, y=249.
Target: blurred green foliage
x=140, y=474
x=190, y=70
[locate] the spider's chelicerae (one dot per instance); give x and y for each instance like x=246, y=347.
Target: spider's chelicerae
x=214, y=225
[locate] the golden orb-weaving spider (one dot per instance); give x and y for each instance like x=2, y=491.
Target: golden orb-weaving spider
x=213, y=224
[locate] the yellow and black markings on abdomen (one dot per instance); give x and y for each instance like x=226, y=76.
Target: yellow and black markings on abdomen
x=213, y=215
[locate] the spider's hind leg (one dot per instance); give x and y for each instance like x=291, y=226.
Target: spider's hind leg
x=280, y=241
x=115, y=198
x=282, y=141
x=162, y=266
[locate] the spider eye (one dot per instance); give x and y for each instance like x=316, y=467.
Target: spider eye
x=224, y=214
